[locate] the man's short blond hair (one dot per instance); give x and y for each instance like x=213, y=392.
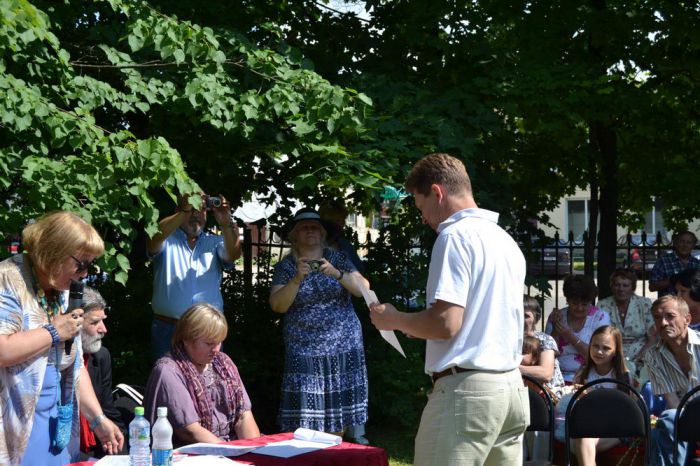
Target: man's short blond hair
x=442, y=169
x=201, y=321
x=55, y=237
x=680, y=303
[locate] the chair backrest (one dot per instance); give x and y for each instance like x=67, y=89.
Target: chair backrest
x=686, y=427
x=541, y=411
x=606, y=413
x=126, y=398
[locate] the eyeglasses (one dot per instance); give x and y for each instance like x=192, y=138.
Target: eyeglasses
x=81, y=266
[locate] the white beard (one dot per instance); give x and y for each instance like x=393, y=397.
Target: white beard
x=91, y=344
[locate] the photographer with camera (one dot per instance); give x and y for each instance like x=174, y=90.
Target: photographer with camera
x=188, y=263
x=312, y=287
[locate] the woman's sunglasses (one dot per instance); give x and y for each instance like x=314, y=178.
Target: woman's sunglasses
x=81, y=266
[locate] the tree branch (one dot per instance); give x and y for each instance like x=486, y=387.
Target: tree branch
x=341, y=13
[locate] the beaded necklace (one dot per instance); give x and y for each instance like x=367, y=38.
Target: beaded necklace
x=51, y=306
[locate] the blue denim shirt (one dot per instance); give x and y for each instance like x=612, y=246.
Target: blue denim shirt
x=183, y=276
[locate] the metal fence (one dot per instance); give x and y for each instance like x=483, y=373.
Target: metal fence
x=548, y=260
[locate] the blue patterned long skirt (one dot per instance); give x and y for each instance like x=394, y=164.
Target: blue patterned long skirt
x=326, y=393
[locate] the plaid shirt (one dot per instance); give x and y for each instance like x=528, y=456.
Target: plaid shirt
x=669, y=265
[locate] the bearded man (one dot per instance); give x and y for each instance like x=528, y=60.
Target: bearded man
x=98, y=363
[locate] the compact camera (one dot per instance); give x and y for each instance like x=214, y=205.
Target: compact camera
x=314, y=264
x=213, y=201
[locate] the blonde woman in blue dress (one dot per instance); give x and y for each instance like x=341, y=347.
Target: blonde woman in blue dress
x=324, y=384
x=38, y=378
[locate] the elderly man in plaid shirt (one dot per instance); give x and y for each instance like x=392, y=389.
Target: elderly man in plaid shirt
x=674, y=262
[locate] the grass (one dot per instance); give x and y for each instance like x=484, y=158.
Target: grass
x=397, y=443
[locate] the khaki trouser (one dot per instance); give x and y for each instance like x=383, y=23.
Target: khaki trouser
x=474, y=418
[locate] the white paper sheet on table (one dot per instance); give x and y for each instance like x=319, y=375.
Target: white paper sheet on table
x=311, y=435
x=205, y=460
x=388, y=335
x=215, y=449
x=300, y=444
x=113, y=460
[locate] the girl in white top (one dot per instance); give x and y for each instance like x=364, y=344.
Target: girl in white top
x=605, y=360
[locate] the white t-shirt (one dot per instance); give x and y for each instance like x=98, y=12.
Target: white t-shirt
x=477, y=265
x=594, y=375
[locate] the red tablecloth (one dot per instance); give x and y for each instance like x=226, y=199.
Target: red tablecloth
x=345, y=454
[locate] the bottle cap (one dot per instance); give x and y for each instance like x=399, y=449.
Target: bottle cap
x=162, y=411
x=138, y=410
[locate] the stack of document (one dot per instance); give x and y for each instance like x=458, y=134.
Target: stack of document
x=304, y=441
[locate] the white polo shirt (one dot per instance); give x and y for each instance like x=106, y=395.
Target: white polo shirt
x=477, y=265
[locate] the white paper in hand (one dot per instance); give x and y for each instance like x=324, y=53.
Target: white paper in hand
x=388, y=335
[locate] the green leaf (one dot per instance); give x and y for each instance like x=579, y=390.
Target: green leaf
x=121, y=277
x=135, y=42
x=364, y=99
x=179, y=56
x=302, y=128
x=219, y=56
x=123, y=262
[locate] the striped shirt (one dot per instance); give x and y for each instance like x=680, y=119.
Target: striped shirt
x=665, y=373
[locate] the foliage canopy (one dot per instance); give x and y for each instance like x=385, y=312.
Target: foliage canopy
x=97, y=121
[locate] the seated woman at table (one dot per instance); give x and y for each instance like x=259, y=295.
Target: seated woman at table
x=573, y=326
x=199, y=384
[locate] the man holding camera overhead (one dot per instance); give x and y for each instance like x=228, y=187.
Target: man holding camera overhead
x=188, y=263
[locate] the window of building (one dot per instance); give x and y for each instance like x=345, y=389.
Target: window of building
x=578, y=213
x=577, y=217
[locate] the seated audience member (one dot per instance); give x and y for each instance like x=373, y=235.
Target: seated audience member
x=573, y=326
x=531, y=351
x=98, y=362
x=200, y=385
x=630, y=313
x=546, y=370
x=687, y=284
x=606, y=359
x=674, y=262
x=674, y=367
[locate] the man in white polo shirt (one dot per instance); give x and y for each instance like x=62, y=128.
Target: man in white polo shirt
x=478, y=409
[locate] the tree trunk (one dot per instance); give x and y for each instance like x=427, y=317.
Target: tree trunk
x=606, y=141
x=591, y=239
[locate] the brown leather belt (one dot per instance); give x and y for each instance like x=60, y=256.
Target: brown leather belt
x=167, y=320
x=450, y=371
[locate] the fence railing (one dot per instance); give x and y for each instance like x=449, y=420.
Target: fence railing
x=548, y=260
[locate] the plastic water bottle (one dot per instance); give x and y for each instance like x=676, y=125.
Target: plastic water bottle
x=162, y=440
x=139, y=439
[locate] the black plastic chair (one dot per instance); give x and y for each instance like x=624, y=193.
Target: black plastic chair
x=686, y=425
x=126, y=398
x=606, y=413
x=541, y=413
